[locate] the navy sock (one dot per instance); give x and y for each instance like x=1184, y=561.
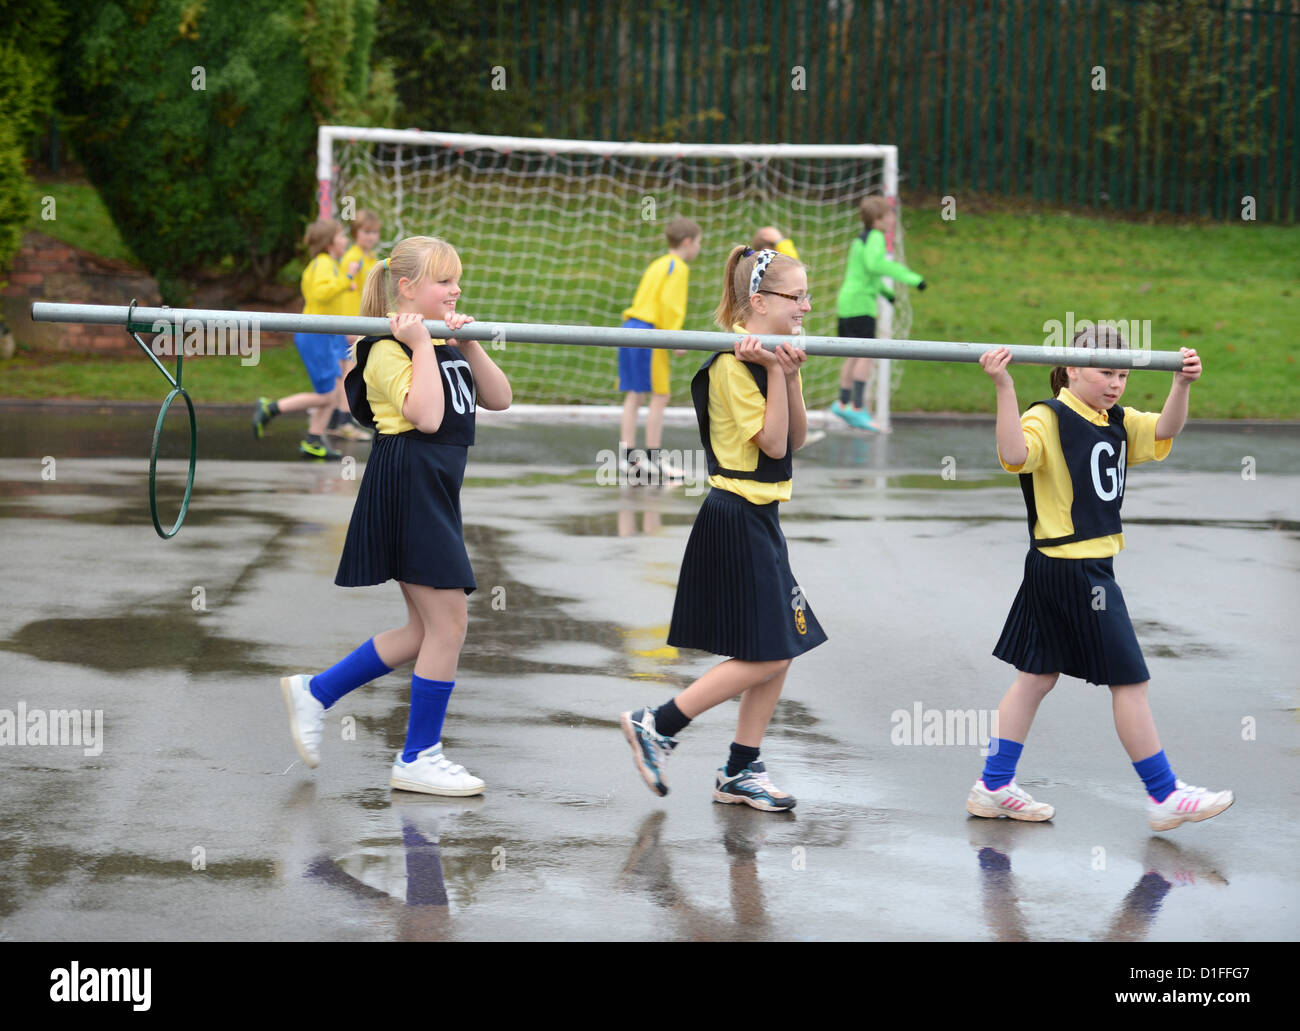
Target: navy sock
x=1157, y=775
x=1000, y=765
x=361, y=667
x=669, y=720
x=273, y=409
x=859, y=392
x=846, y=393
x=741, y=756
x=429, y=700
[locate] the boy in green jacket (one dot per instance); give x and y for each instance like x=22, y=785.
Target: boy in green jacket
x=863, y=282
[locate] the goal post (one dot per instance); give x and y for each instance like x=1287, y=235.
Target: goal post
x=559, y=231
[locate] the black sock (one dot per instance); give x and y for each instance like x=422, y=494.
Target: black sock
x=313, y=438
x=273, y=409
x=338, y=418
x=741, y=756
x=845, y=395
x=859, y=390
x=669, y=719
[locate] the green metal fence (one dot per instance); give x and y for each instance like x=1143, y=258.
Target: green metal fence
x=1183, y=107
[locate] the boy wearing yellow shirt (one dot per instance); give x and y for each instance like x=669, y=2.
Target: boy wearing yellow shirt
x=660, y=303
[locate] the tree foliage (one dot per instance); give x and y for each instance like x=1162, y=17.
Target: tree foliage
x=197, y=121
x=30, y=34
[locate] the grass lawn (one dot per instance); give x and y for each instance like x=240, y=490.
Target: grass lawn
x=79, y=218
x=1231, y=291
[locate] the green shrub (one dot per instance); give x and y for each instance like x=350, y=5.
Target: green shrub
x=197, y=122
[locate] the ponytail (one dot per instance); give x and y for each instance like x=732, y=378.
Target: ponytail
x=733, y=306
x=377, y=295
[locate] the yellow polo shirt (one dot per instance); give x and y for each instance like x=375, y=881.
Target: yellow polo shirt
x=325, y=288
x=1053, y=488
x=661, y=295
x=388, y=380
x=368, y=261
x=736, y=412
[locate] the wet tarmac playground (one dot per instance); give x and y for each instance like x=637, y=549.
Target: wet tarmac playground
x=190, y=817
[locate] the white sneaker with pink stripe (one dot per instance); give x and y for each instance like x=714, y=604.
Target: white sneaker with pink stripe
x=1187, y=804
x=1009, y=801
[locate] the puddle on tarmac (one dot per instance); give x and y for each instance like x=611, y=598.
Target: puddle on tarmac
x=119, y=644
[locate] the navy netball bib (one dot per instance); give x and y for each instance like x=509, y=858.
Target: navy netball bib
x=1097, y=458
x=459, y=394
x=770, y=470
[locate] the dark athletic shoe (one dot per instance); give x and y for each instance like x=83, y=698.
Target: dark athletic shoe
x=650, y=749
x=752, y=787
x=318, y=449
x=261, y=416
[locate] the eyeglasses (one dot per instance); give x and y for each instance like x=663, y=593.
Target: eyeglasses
x=797, y=298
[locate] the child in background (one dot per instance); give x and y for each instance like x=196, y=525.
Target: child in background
x=406, y=525
x=864, y=276
x=736, y=595
x=1069, y=616
x=325, y=287
x=660, y=303
x=361, y=255
x=770, y=238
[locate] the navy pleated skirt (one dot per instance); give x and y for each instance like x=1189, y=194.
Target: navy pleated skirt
x=406, y=522
x=736, y=595
x=1069, y=617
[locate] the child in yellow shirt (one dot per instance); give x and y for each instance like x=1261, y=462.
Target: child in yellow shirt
x=324, y=286
x=358, y=260
x=660, y=303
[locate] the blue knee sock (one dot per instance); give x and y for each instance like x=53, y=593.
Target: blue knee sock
x=1000, y=765
x=1157, y=775
x=429, y=700
x=361, y=667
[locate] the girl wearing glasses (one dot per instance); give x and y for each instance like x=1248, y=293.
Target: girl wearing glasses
x=736, y=595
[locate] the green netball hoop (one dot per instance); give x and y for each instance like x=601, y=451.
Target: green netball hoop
x=153, y=461
x=177, y=391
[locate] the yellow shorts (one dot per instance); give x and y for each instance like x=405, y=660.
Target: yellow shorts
x=659, y=371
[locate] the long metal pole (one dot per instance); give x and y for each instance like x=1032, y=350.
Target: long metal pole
x=180, y=323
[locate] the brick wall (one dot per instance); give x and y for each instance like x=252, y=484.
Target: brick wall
x=46, y=269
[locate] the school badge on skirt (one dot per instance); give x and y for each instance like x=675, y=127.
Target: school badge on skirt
x=797, y=603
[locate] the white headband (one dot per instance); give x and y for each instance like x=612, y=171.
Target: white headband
x=760, y=266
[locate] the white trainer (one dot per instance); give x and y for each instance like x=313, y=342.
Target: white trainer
x=306, y=717
x=669, y=470
x=1010, y=801
x=434, y=774
x=1186, y=804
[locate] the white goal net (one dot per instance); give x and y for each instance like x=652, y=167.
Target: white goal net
x=559, y=231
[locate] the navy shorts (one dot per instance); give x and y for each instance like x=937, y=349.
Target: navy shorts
x=858, y=326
